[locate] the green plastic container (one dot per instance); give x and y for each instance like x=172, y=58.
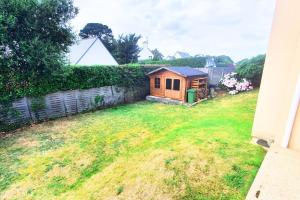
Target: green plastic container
x=191, y=95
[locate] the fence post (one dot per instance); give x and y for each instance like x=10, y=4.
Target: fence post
x=29, y=110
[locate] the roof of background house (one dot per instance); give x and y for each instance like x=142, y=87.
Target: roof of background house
x=182, y=54
x=90, y=51
x=181, y=70
x=170, y=58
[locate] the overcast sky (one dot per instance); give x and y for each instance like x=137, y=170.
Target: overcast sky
x=238, y=28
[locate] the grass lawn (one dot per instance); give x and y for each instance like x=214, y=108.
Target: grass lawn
x=137, y=151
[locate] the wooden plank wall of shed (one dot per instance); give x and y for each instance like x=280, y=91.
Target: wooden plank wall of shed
x=161, y=92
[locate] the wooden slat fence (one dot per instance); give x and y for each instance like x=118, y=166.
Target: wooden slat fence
x=65, y=103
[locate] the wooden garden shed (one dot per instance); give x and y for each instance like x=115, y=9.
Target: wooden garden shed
x=173, y=82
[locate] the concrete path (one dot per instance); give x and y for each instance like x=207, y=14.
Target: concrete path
x=278, y=177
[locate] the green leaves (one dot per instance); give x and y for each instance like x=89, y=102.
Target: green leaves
x=103, y=32
x=127, y=49
x=252, y=69
x=37, y=35
x=198, y=61
x=71, y=78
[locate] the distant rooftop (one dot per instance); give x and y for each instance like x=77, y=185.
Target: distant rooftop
x=181, y=54
x=181, y=70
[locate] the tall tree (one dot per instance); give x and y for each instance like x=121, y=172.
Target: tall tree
x=157, y=55
x=34, y=36
x=127, y=49
x=103, y=32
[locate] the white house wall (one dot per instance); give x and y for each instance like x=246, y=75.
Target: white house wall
x=145, y=54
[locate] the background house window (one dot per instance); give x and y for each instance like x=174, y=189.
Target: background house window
x=168, y=84
x=157, y=83
x=176, y=84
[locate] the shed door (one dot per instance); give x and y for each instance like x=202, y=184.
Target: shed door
x=173, y=88
x=157, y=86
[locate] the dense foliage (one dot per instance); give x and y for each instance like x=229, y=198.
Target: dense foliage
x=198, y=61
x=34, y=36
x=82, y=77
x=103, y=32
x=223, y=61
x=252, y=69
x=127, y=49
x=192, y=62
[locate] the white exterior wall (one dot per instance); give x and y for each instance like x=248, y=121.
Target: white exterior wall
x=145, y=53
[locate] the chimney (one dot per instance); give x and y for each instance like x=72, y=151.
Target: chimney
x=145, y=43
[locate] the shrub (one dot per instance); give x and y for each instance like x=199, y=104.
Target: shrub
x=232, y=83
x=251, y=69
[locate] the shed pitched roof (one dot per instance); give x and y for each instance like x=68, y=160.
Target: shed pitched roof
x=182, y=71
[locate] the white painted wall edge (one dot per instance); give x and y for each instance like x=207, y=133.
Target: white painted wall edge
x=292, y=115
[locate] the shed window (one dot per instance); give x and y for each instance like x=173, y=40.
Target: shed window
x=157, y=83
x=176, y=84
x=168, y=84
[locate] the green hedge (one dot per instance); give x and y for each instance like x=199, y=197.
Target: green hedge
x=192, y=62
x=197, y=62
x=82, y=77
